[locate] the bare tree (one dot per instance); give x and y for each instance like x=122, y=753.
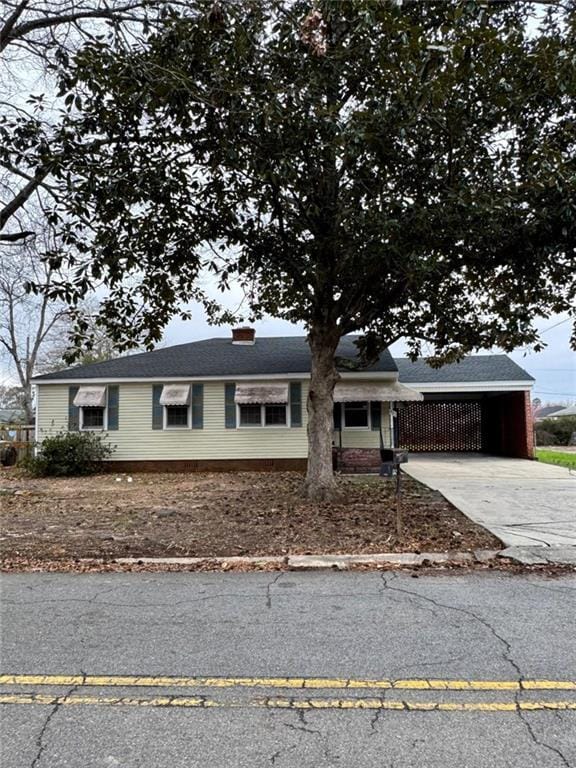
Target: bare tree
x=32, y=326
x=34, y=26
x=10, y=397
x=97, y=348
x=33, y=34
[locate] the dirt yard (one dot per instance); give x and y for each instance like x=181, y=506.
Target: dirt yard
x=210, y=515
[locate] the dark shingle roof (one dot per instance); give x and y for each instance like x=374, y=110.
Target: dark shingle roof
x=547, y=410
x=477, y=368
x=570, y=410
x=216, y=357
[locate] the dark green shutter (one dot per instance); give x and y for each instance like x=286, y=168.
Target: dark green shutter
x=197, y=406
x=157, y=408
x=113, y=401
x=73, y=411
x=376, y=414
x=337, y=416
x=295, y=404
x=229, y=406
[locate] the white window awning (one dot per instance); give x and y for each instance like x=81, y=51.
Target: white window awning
x=258, y=394
x=388, y=391
x=175, y=394
x=90, y=397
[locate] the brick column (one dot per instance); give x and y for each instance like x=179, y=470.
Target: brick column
x=528, y=415
x=517, y=436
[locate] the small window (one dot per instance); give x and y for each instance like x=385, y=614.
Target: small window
x=275, y=415
x=356, y=414
x=250, y=415
x=92, y=418
x=176, y=415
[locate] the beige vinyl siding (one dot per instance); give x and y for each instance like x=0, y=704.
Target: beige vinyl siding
x=52, y=409
x=366, y=438
x=135, y=439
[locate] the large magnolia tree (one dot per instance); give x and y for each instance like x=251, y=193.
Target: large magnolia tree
x=395, y=169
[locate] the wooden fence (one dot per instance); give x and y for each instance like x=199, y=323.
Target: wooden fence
x=16, y=442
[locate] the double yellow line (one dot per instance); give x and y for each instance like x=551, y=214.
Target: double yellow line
x=77, y=682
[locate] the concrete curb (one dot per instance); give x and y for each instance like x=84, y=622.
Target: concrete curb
x=538, y=555
x=317, y=562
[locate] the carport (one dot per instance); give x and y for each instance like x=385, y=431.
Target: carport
x=480, y=405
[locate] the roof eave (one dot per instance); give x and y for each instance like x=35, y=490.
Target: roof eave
x=387, y=375
x=512, y=385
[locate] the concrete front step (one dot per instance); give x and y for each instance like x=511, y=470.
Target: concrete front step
x=358, y=461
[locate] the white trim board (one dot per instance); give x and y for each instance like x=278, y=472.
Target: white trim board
x=381, y=375
x=452, y=386
x=472, y=386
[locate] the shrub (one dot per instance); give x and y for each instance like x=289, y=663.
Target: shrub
x=543, y=437
x=555, y=431
x=69, y=453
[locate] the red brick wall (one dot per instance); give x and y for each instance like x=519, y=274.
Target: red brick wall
x=207, y=465
x=529, y=421
x=507, y=425
x=359, y=460
x=243, y=334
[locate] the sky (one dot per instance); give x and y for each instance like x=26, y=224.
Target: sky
x=554, y=369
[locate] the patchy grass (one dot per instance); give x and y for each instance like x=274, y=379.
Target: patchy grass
x=562, y=458
x=220, y=514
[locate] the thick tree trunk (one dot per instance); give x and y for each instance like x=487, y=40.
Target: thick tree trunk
x=320, y=482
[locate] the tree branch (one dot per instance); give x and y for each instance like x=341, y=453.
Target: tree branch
x=13, y=31
x=20, y=199
x=15, y=237
x=10, y=23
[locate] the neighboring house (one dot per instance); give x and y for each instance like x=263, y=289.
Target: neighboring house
x=240, y=403
x=561, y=412
x=546, y=411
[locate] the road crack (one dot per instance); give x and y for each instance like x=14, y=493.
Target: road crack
x=40, y=740
x=166, y=604
x=374, y=720
x=277, y=755
x=506, y=655
x=303, y=726
x=526, y=723
x=269, y=588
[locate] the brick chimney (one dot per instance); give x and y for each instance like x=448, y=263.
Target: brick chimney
x=243, y=336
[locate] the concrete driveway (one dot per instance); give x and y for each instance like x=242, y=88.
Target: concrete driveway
x=522, y=502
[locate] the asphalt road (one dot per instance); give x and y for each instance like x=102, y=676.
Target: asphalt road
x=272, y=670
